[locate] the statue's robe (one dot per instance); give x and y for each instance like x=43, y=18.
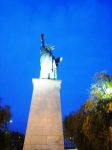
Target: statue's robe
x=48, y=64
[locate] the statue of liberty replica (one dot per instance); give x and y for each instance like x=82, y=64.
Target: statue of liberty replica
x=48, y=63
x=44, y=127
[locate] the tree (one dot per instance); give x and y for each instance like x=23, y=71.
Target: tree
x=91, y=126
x=5, y=116
x=73, y=129
x=98, y=107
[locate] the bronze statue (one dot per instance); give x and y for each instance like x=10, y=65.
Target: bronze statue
x=48, y=63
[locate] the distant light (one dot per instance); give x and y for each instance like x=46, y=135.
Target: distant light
x=10, y=121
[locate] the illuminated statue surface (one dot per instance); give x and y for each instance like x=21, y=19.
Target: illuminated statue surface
x=48, y=63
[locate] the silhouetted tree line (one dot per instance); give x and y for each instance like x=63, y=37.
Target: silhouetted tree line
x=8, y=140
x=11, y=140
x=90, y=128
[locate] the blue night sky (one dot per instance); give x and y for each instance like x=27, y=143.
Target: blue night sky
x=81, y=32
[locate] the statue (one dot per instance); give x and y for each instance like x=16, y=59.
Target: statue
x=48, y=63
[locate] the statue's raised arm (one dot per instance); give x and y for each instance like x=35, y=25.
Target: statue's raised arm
x=42, y=40
x=48, y=63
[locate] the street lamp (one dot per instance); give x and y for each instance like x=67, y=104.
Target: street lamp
x=10, y=121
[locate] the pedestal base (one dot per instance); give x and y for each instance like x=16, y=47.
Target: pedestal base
x=44, y=128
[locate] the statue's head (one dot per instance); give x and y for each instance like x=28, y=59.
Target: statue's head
x=49, y=47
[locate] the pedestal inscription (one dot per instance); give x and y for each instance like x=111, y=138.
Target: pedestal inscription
x=44, y=128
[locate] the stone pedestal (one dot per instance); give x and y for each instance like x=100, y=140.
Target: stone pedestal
x=44, y=128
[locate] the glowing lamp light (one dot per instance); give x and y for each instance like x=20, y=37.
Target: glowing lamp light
x=10, y=121
x=108, y=90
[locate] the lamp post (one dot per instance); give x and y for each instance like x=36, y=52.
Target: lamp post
x=70, y=141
